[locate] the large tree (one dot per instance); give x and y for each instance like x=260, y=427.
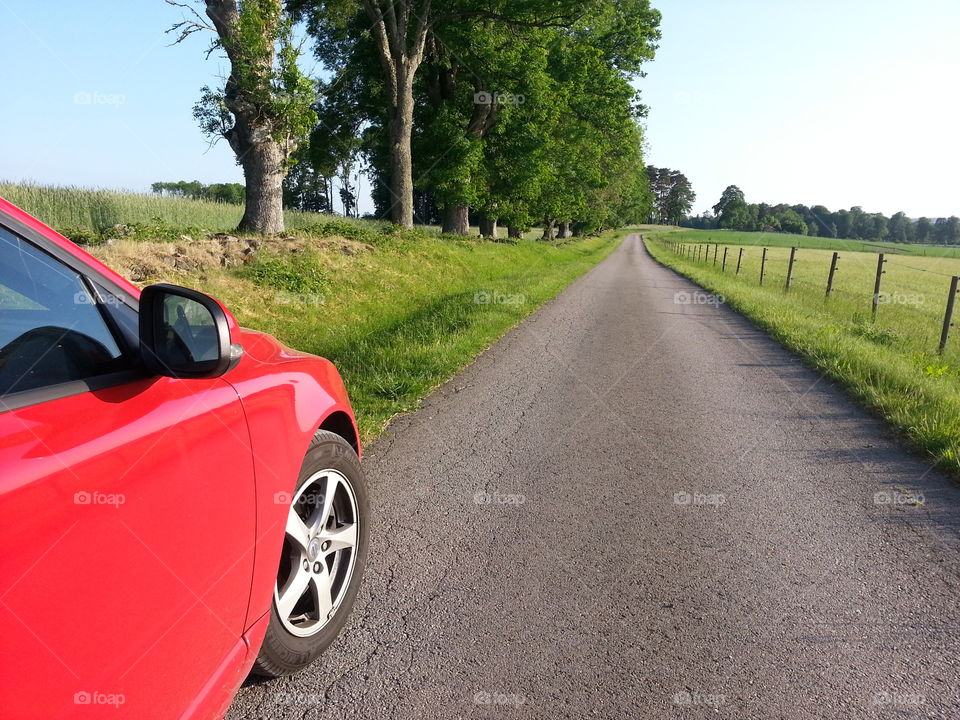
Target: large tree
x=263, y=109
x=732, y=210
x=673, y=195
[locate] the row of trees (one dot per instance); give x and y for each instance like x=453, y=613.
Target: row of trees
x=734, y=213
x=196, y=190
x=511, y=111
x=303, y=189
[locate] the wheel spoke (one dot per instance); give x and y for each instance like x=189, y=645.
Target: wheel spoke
x=341, y=538
x=297, y=531
x=331, y=485
x=292, y=593
x=320, y=587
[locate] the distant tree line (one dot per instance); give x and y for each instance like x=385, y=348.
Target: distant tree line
x=196, y=190
x=733, y=212
x=304, y=188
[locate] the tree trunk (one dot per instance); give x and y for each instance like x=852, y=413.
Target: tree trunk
x=564, y=231
x=263, y=172
x=401, y=160
x=400, y=47
x=548, y=229
x=514, y=232
x=252, y=136
x=488, y=226
x=456, y=220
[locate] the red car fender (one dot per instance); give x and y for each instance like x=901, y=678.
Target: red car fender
x=284, y=410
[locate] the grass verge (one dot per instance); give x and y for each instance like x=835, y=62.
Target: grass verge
x=398, y=316
x=912, y=388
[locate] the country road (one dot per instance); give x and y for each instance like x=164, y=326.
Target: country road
x=632, y=507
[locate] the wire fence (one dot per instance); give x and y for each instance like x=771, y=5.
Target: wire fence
x=887, y=297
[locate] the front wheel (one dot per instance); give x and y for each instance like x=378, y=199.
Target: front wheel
x=324, y=554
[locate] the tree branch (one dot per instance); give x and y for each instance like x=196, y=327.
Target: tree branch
x=187, y=27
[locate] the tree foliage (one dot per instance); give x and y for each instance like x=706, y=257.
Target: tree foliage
x=521, y=111
x=673, y=195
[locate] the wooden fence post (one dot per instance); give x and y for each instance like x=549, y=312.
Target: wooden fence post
x=793, y=256
x=833, y=272
x=876, y=287
x=948, y=317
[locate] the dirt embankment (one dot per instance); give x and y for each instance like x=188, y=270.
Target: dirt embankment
x=143, y=261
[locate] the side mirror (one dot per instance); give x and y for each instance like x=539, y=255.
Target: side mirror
x=185, y=334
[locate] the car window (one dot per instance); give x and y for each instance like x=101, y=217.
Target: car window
x=52, y=329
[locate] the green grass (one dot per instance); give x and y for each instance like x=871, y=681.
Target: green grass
x=398, y=319
x=752, y=239
x=891, y=365
x=401, y=320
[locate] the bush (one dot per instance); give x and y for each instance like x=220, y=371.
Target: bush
x=81, y=235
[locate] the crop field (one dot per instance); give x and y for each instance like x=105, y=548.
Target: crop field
x=890, y=360
x=83, y=214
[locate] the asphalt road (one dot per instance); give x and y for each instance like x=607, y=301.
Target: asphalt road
x=683, y=521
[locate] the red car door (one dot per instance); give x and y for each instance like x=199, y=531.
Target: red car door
x=127, y=509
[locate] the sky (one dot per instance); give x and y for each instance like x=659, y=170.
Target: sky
x=843, y=103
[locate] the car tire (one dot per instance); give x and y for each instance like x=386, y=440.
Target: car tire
x=329, y=550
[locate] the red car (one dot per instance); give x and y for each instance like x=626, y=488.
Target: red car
x=181, y=499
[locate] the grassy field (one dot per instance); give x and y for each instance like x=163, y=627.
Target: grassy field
x=398, y=317
x=758, y=239
x=891, y=364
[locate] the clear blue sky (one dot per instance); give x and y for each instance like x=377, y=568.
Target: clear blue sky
x=839, y=103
